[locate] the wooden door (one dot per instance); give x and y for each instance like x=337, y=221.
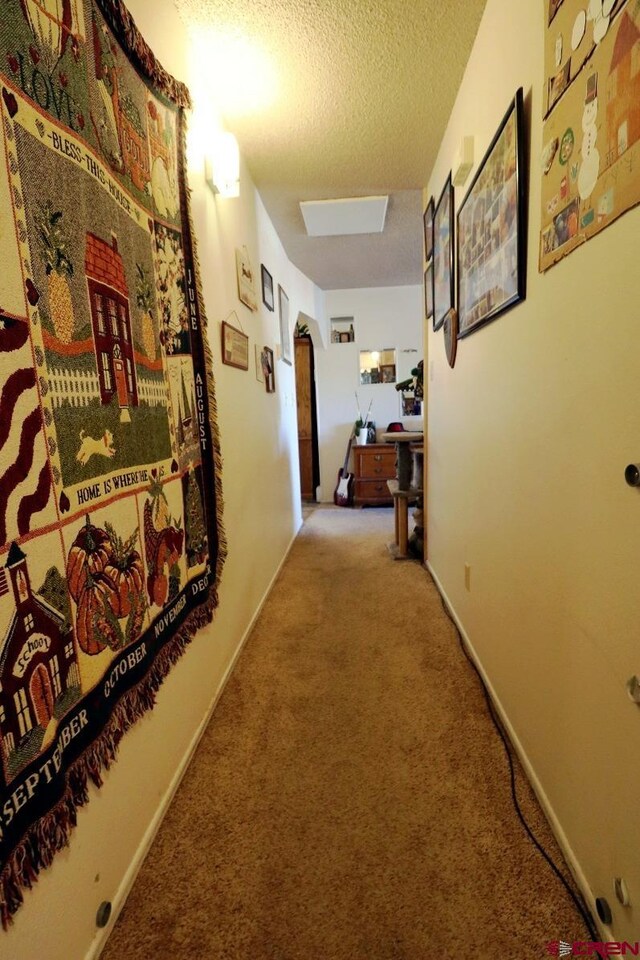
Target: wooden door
x=305, y=402
x=41, y=695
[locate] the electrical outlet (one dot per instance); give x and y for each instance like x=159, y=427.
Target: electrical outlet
x=467, y=576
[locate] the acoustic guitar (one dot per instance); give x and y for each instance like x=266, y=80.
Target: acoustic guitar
x=343, y=494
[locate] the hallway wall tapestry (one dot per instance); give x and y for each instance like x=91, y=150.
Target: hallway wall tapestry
x=110, y=503
x=591, y=140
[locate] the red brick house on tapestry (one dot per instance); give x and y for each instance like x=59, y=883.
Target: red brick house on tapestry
x=38, y=665
x=111, y=322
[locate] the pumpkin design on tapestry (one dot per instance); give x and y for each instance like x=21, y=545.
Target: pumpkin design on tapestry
x=105, y=575
x=163, y=544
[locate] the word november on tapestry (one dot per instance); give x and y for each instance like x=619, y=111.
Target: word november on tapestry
x=110, y=544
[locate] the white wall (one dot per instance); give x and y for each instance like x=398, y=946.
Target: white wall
x=262, y=515
x=383, y=317
x=528, y=439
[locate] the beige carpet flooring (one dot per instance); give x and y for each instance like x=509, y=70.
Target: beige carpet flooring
x=350, y=798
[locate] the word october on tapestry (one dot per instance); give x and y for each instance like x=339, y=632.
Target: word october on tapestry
x=110, y=543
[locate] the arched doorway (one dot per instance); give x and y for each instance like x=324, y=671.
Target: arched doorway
x=307, y=415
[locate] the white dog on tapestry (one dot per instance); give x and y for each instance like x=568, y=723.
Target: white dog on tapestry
x=103, y=447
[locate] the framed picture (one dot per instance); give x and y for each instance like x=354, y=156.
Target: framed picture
x=443, y=291
x=267, y=288
x=259, y=364
x=492, y=228
x=450, y=329
x=235, y=347
x=268, y=370
x=428, y=292
x=246, y=285
x=285, y=333
x=427, y=221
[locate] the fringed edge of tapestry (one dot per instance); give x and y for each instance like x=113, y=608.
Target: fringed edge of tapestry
x=141, y=54
x=52, y=831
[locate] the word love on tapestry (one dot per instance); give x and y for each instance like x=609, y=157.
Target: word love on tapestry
x=110, y=542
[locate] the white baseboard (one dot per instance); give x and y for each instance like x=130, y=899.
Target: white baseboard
x=129, y=878
x=554, y=823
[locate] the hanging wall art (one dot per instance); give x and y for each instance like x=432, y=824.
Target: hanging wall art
x=111, y=544
x=492, y=228
x=591, y=139
x=443, y=289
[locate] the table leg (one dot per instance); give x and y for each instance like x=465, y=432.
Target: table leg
x=403, y=525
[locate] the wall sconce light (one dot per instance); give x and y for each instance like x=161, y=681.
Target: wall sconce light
x=222, y=165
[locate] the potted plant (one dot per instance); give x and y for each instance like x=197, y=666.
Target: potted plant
x=360, y=430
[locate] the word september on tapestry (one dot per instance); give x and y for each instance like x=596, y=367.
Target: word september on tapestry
x=110, y=552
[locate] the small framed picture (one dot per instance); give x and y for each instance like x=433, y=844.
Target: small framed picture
x=285, y=332
x=428, y=230
x=428, y=292
x=235, y=347
x=267, y=288
x=246, y=287
x=259, y=365
x=268, y=370
x=443, y=291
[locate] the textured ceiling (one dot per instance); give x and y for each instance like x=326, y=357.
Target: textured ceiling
x=338, y=98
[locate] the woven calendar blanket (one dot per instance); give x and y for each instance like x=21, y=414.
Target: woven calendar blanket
x=111, y=544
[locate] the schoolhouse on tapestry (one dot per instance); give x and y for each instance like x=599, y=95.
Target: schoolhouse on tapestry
x=38, y=664
x=111, y=323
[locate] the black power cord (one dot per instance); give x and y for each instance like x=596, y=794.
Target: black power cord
x=577, y=898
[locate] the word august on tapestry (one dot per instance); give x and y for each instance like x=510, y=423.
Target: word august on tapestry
x=110, y=536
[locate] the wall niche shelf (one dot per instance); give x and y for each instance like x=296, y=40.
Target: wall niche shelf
x=342, y=330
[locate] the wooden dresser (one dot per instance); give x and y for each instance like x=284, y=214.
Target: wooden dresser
x=373, y=465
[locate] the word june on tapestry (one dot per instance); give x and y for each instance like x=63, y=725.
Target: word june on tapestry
x=110, y=543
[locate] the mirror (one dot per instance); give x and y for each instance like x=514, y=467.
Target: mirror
x=378, y=366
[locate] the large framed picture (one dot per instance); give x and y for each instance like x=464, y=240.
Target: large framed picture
x=443, y=290
x=285, y=332
x=492, y=228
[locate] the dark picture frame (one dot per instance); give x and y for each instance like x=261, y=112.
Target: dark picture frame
x=267, y=288
x=428, y=292
x=235, y=347
x=492, y=228
x=443, y=233
x=427, y=223
x=268, y=370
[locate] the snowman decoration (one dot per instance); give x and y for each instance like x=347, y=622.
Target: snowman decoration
x=590, y=167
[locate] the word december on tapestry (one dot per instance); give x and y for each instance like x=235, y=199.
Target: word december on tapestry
x=110, y=543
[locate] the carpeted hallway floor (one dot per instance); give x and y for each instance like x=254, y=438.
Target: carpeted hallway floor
x=358, y=802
